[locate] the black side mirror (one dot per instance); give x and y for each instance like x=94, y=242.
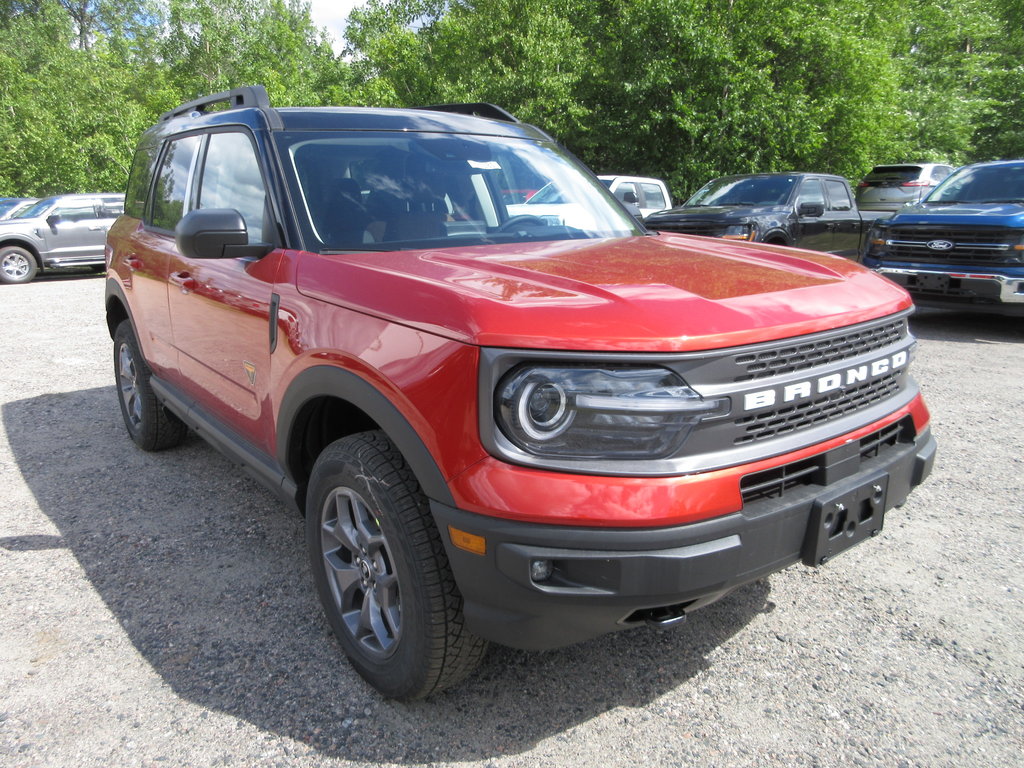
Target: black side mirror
x=217, y=233
x=53, y=220
x=811, y=209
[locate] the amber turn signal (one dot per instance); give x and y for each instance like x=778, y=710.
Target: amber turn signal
x=468, y=541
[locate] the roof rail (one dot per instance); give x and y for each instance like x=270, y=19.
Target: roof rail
x=248, y=96
x=477, y=109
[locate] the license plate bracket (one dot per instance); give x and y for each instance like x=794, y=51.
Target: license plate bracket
x=844, y=518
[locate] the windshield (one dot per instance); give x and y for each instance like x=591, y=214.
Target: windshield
x=34, y=210
x=393, y=191
x=755, y=190
x=982, y=184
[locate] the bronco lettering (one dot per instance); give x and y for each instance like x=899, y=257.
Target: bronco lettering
x=802, y=390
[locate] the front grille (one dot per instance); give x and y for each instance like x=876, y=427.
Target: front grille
x=973, y=245
x=798, y=416
x=807, y=354
x=775, y=483
x=706, y=228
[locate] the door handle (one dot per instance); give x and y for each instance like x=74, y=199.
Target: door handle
x=185, y=281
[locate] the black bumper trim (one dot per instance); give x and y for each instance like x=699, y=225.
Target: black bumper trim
x=604, y=580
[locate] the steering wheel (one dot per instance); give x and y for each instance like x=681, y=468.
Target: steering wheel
x=523, y=220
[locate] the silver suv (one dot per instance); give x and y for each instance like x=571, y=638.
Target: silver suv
x=890, y=187
x=61, y=231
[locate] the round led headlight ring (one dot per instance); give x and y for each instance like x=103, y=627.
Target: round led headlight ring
x=543, y=410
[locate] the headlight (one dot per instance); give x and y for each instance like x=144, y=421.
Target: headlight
x=598, y=412
x=876, y=240
x=739, y=232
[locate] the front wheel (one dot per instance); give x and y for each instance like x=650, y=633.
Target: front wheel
x=17, y=265
x=381, y=571
x=149, y=424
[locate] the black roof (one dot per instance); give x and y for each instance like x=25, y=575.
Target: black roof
x=250, y=106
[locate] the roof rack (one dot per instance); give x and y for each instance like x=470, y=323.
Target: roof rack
x=248, y=96
x=477, y=109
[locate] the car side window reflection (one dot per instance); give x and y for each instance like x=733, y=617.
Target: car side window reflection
x=232, y=179
x=170, y=194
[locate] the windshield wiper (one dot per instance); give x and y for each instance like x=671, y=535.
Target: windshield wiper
x=1017, y=200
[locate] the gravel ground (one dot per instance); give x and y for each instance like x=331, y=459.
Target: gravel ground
x=157, y=609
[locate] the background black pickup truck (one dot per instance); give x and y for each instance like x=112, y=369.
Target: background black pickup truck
x=806, y=210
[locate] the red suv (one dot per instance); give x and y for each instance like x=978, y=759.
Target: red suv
x=498, y=427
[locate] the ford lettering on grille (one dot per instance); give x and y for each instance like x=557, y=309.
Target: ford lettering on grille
x=833, y=382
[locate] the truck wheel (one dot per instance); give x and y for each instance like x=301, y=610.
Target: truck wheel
x=381, y=571
x=17, y=265
x=150, y=425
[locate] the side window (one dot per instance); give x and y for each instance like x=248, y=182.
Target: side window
x=939, y=172
x=626, y=192
x=232, y=179
x=654, y=197
x=171, y=192
x=77, y=211
x=838, y=197
x=811, y=192
x=138, y=179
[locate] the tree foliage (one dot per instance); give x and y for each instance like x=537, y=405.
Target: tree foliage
x=683, y=89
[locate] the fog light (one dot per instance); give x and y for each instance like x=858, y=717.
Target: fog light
x=540, y=570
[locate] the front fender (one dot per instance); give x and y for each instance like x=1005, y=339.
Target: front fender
x=330, y=381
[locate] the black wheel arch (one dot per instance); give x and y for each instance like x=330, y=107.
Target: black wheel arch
x=776, y=237
x=325, y=403
x=116, y=305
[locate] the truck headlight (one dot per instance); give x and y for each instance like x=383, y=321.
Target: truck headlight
x=599, y=412
x=876, y=241
x=739, y=232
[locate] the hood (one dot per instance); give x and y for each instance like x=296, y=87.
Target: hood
x=716, y=212
x=969, y=214
x=661, y=293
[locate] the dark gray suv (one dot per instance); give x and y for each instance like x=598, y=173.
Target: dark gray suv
x=61, y=231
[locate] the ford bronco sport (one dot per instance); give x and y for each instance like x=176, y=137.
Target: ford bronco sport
x=499, y=428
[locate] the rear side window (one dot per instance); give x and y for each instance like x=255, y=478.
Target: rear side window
x=232, y=179
x=838, y=197
x=171, y=192
x=138, y=179
x=653, y=196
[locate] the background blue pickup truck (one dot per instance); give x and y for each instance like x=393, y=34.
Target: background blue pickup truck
x=963, y=246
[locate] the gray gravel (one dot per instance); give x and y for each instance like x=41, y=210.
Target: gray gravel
x=157, y=609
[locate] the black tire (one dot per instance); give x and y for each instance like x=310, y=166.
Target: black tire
x=17, y=265
x=150, y=425
x=382, y=573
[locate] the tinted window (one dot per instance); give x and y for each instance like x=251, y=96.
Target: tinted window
x=838, y=197
x=138, y=179
x=811, y=192
x=939, y=172
x=231, y=179
x=171, y=190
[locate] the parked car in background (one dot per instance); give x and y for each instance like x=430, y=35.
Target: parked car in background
x=806, y=210
x=963, y=246
x=890, y=187
x=60, y=231
x=11, y=206
x=649, y=195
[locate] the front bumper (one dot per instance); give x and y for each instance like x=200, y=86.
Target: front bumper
x=952, y=288
x=603, y=580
